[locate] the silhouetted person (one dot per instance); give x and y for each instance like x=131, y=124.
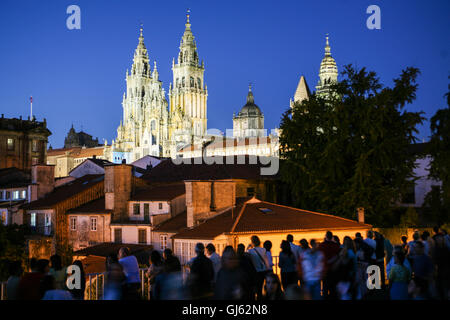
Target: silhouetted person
x=330, y=250
x=29, y=285
x=246, y=264
x=201, y=275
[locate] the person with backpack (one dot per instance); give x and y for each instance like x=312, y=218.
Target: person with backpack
x=260, y=262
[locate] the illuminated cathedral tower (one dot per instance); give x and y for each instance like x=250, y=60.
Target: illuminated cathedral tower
x=328, y=72
x=188, y=94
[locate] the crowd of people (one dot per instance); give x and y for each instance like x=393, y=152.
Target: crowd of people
x=331, y=269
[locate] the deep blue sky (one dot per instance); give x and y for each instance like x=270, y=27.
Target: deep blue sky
x=77, y=76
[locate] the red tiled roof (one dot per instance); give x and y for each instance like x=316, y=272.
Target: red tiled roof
x=172, y=225
x=260, y=216
x=65, y=191
x=160, y=193
x=95, y=206
x=168, y=171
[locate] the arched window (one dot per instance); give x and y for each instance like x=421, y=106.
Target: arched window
x=181, y=57
x=191, y=82
x=153, y=125
x=153, y=140
x=177, y=83
x=183, y=81
x=199, y=83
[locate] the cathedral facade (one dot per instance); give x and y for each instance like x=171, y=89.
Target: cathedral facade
x=151, y=125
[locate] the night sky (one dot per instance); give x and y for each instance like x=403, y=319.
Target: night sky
x=78, y=76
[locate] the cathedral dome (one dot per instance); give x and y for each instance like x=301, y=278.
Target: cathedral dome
x=250, y=108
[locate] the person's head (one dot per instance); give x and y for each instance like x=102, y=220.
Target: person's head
x=425, y=235
x=273, y=285
x=255, y=241
x=348, y=243
x=436, y=230
x=399, y=257
x=304, y=244
x=404, y=239
x=285, y=247
x=358, y=235
x=229, y=258
x=15, y=268
x=337, y=240
x=110, y=259
x=416, y=236
x=290, y=238
x=167, y=253
x=42, y=266
x=313, y=244
x=267, y=245
x=33, y=264
x=370, y=234
x=329, y=236
x=378, y=236
x=155, y=258
x=210, y=249
x=123, y=252
x=56, y=262
x=200, y=248
x=240, y=249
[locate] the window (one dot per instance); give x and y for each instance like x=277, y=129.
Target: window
x=1, y=195
x=146, y=209
x=136, y=209
x=10, y=144
x=199, y=83
x=410, y=196
x=73, y=223
x=34, y=160
x=8, y=195
x=93, y=224
x=118, y=235
x=142, y=235
x=250, y=192
x=15, y=195
x=163, y=241
x=23, y=194
x=35, y=146
x=160, y=205
x=33, y=220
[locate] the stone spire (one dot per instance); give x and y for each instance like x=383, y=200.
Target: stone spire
x=302, y=92
x=140, y=60
x=188, y=48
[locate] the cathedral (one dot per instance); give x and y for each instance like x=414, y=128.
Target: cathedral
x=151, y=125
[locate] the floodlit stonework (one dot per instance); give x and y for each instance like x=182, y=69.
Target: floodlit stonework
x=149, y=127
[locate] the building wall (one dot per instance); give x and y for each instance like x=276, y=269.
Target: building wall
x=83, y=236
x=156, y=240
x=130, y=233
x=154, y=209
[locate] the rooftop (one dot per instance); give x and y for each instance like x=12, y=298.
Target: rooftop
x=65, y=192
x=95, y=206
x=160, y=193
x=259, y=216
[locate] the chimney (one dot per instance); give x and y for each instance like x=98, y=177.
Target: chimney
x=118, y=188
x=42, y=180
x=361, y=215
x=206, y=198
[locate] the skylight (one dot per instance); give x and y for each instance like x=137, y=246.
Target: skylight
x=265, y=210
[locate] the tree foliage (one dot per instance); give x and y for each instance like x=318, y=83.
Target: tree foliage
x=350, y=150
x=12, y=246
x=438, y=200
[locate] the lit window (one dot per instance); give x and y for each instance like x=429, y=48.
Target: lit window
x=35, y=145
x=73, y=223
x=33, y=220
x=93, y=224
x=163, y=241
x=15, y=195
x=23, y=194
x=10, y=144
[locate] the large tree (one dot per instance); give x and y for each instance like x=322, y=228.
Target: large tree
x=438, y=200
x=350, y=149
